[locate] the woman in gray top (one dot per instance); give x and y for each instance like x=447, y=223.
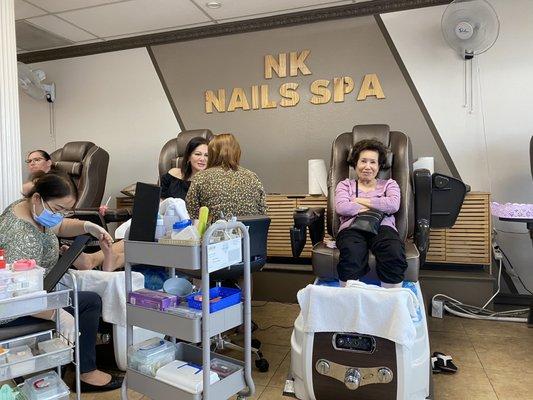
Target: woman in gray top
x=28, y=229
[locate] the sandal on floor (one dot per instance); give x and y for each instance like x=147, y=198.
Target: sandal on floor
x=434, y=367
x=444, y=362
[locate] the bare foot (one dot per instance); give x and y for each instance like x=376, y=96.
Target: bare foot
x=83, y=262
x=109, y=258
x=96, y=378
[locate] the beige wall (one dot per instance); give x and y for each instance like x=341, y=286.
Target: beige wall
x=490, y=146
x=278, y=142
x=114, y=100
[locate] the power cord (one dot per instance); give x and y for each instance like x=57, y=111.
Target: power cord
x=517, y=276
x=275, y=326
x=460, y=309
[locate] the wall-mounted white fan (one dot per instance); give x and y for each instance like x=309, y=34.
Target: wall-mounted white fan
x=470, y=27
x=31, y=82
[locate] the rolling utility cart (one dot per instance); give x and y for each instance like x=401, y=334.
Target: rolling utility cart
x=20, y=359
x=208, y=258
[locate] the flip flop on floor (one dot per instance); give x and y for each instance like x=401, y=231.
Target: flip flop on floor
x=444, y=362
x=434, y=367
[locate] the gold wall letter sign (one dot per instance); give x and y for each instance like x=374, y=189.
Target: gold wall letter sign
x=289, y=94
x=279, y=66
x=320, y=90
x=370, y=87
x=212, y=100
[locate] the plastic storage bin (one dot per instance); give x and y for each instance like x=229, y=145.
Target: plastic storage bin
x=17, y=283
x=219, y=298
x=18, y=355
x=61, y=353
x=148, y=356
x=45, y=387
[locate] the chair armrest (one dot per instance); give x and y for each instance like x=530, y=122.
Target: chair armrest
x=312, y=218
x=422, y=188
x=93, y=215
x=117, y=215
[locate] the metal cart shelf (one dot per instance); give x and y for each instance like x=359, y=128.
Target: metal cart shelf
x=198, y=330
x=27, y=305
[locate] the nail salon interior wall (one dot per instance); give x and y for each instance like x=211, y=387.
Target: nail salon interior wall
x=490, y=147
x=277, y=142
x=114, y=100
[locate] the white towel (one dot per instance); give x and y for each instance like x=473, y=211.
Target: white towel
x=110, y=286
x=178, y=205
x=362, y=308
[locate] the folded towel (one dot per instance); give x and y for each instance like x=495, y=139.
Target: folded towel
x=361, y=308
x=110, y=286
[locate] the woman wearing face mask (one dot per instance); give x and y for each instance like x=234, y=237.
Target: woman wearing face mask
x=28, y=229
x=176, y=182
x=353, y=196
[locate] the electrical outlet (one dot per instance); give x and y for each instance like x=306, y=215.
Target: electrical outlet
x=437, y=308
x=498, y=255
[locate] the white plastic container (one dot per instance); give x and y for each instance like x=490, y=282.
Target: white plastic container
x=186, y=376
x=148, y=356
x=169, y=219
x=160, y=229
x=45, y=387
x=17, y=354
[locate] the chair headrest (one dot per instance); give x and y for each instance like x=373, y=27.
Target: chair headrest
x=380, y=133
x=185, y=137
x=70, y=167
x=75, y=151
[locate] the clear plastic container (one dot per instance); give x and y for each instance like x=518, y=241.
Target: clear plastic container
x=47, y=386
x=160, y=229
x=18, y=355
x=148, y=356
x=3, y=355
x=17, y=283
x=61, y=353
x=49, y=346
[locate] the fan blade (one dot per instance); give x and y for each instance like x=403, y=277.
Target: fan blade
x=37, y=92
x=478, y=16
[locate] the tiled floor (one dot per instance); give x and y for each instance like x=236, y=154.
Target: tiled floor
x=494, y=358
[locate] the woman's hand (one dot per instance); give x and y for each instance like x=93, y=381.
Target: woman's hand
x=97, y=231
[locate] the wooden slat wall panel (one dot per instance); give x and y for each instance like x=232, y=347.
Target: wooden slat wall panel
x=124, y=202
x=437, y=245
x=280, y=210
x=468, y=241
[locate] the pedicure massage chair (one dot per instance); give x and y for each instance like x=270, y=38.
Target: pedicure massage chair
x=357, y=365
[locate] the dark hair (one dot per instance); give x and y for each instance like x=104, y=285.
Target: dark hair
x=186, y=168
x=224, y=151
x=53, y=185
x=43, y=154
x=368, y=144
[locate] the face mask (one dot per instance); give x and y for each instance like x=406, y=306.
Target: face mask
x=47, y=218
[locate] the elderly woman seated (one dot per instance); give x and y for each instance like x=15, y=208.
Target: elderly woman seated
x=355, y=196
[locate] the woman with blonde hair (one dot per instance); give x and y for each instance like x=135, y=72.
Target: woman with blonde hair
x=225, y=187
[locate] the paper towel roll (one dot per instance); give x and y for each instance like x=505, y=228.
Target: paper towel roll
x=317, y=175
x=425, y=163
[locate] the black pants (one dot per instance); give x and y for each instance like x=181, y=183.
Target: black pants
x=386, y=246
x=89, y=311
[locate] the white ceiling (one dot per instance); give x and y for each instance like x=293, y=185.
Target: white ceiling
x=89, y=21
